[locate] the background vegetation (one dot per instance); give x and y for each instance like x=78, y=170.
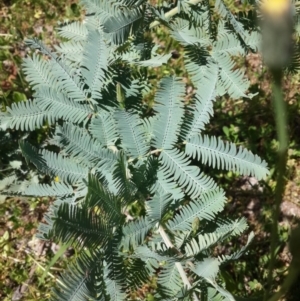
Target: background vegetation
x=248, y=122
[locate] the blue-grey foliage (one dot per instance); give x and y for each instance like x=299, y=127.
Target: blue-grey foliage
x=129, y=194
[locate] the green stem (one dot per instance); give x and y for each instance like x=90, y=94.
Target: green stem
x=292, y=276
x=280, y=114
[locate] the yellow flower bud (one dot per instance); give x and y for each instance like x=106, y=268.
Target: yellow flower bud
x=275, y=7
x=277, y=28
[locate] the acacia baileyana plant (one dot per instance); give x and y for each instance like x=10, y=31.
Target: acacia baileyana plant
x=128, y=196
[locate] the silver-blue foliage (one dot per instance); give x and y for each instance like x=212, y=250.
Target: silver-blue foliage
x=128, y=194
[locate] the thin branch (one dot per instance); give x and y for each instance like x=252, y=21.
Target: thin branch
x=48, y=273
x=6, y=35
x=173, y=12
x=177, y=264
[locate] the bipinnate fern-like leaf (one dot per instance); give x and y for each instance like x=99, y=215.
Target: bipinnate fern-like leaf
x=156, y=61
x=77, y=143
x=203, y=242
x=213, y=295
x=71, y=51
x=187, y=35
x=7, y=183
x=74, y=284
x=103, y=128
x=145, y=253
x=95, y=63
x=130, y=195
x=197, y=41
x=158, y=205
x=24, y=116
x=169, y=106
x=200, y=112
x=38, y=71
x=135, y=232
x=55, y=190
x=232, y=82
x=225, y=155
x=137, y=273
x=54, y=164
x=115, y=260
x=66, y=169
x=122, y=273
x=132, y=133
x=165, y=185
x=177, y=166
x=75, y=31
x=10, y=186
x=236, y=255
x=228, y=44
x=230, y=228
x=206, y=208
x=109, y=204
x=117, y=19
x=58, y=105
x=207, y=240
x=32, y=155
x=208, y=268
x=170, y=280
x=80, y=276
x=63, y=77
x=125, y=23
x=145, y=175
x=121, y=183
x=223, y=10
x=114, y=290
x=82, y=226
